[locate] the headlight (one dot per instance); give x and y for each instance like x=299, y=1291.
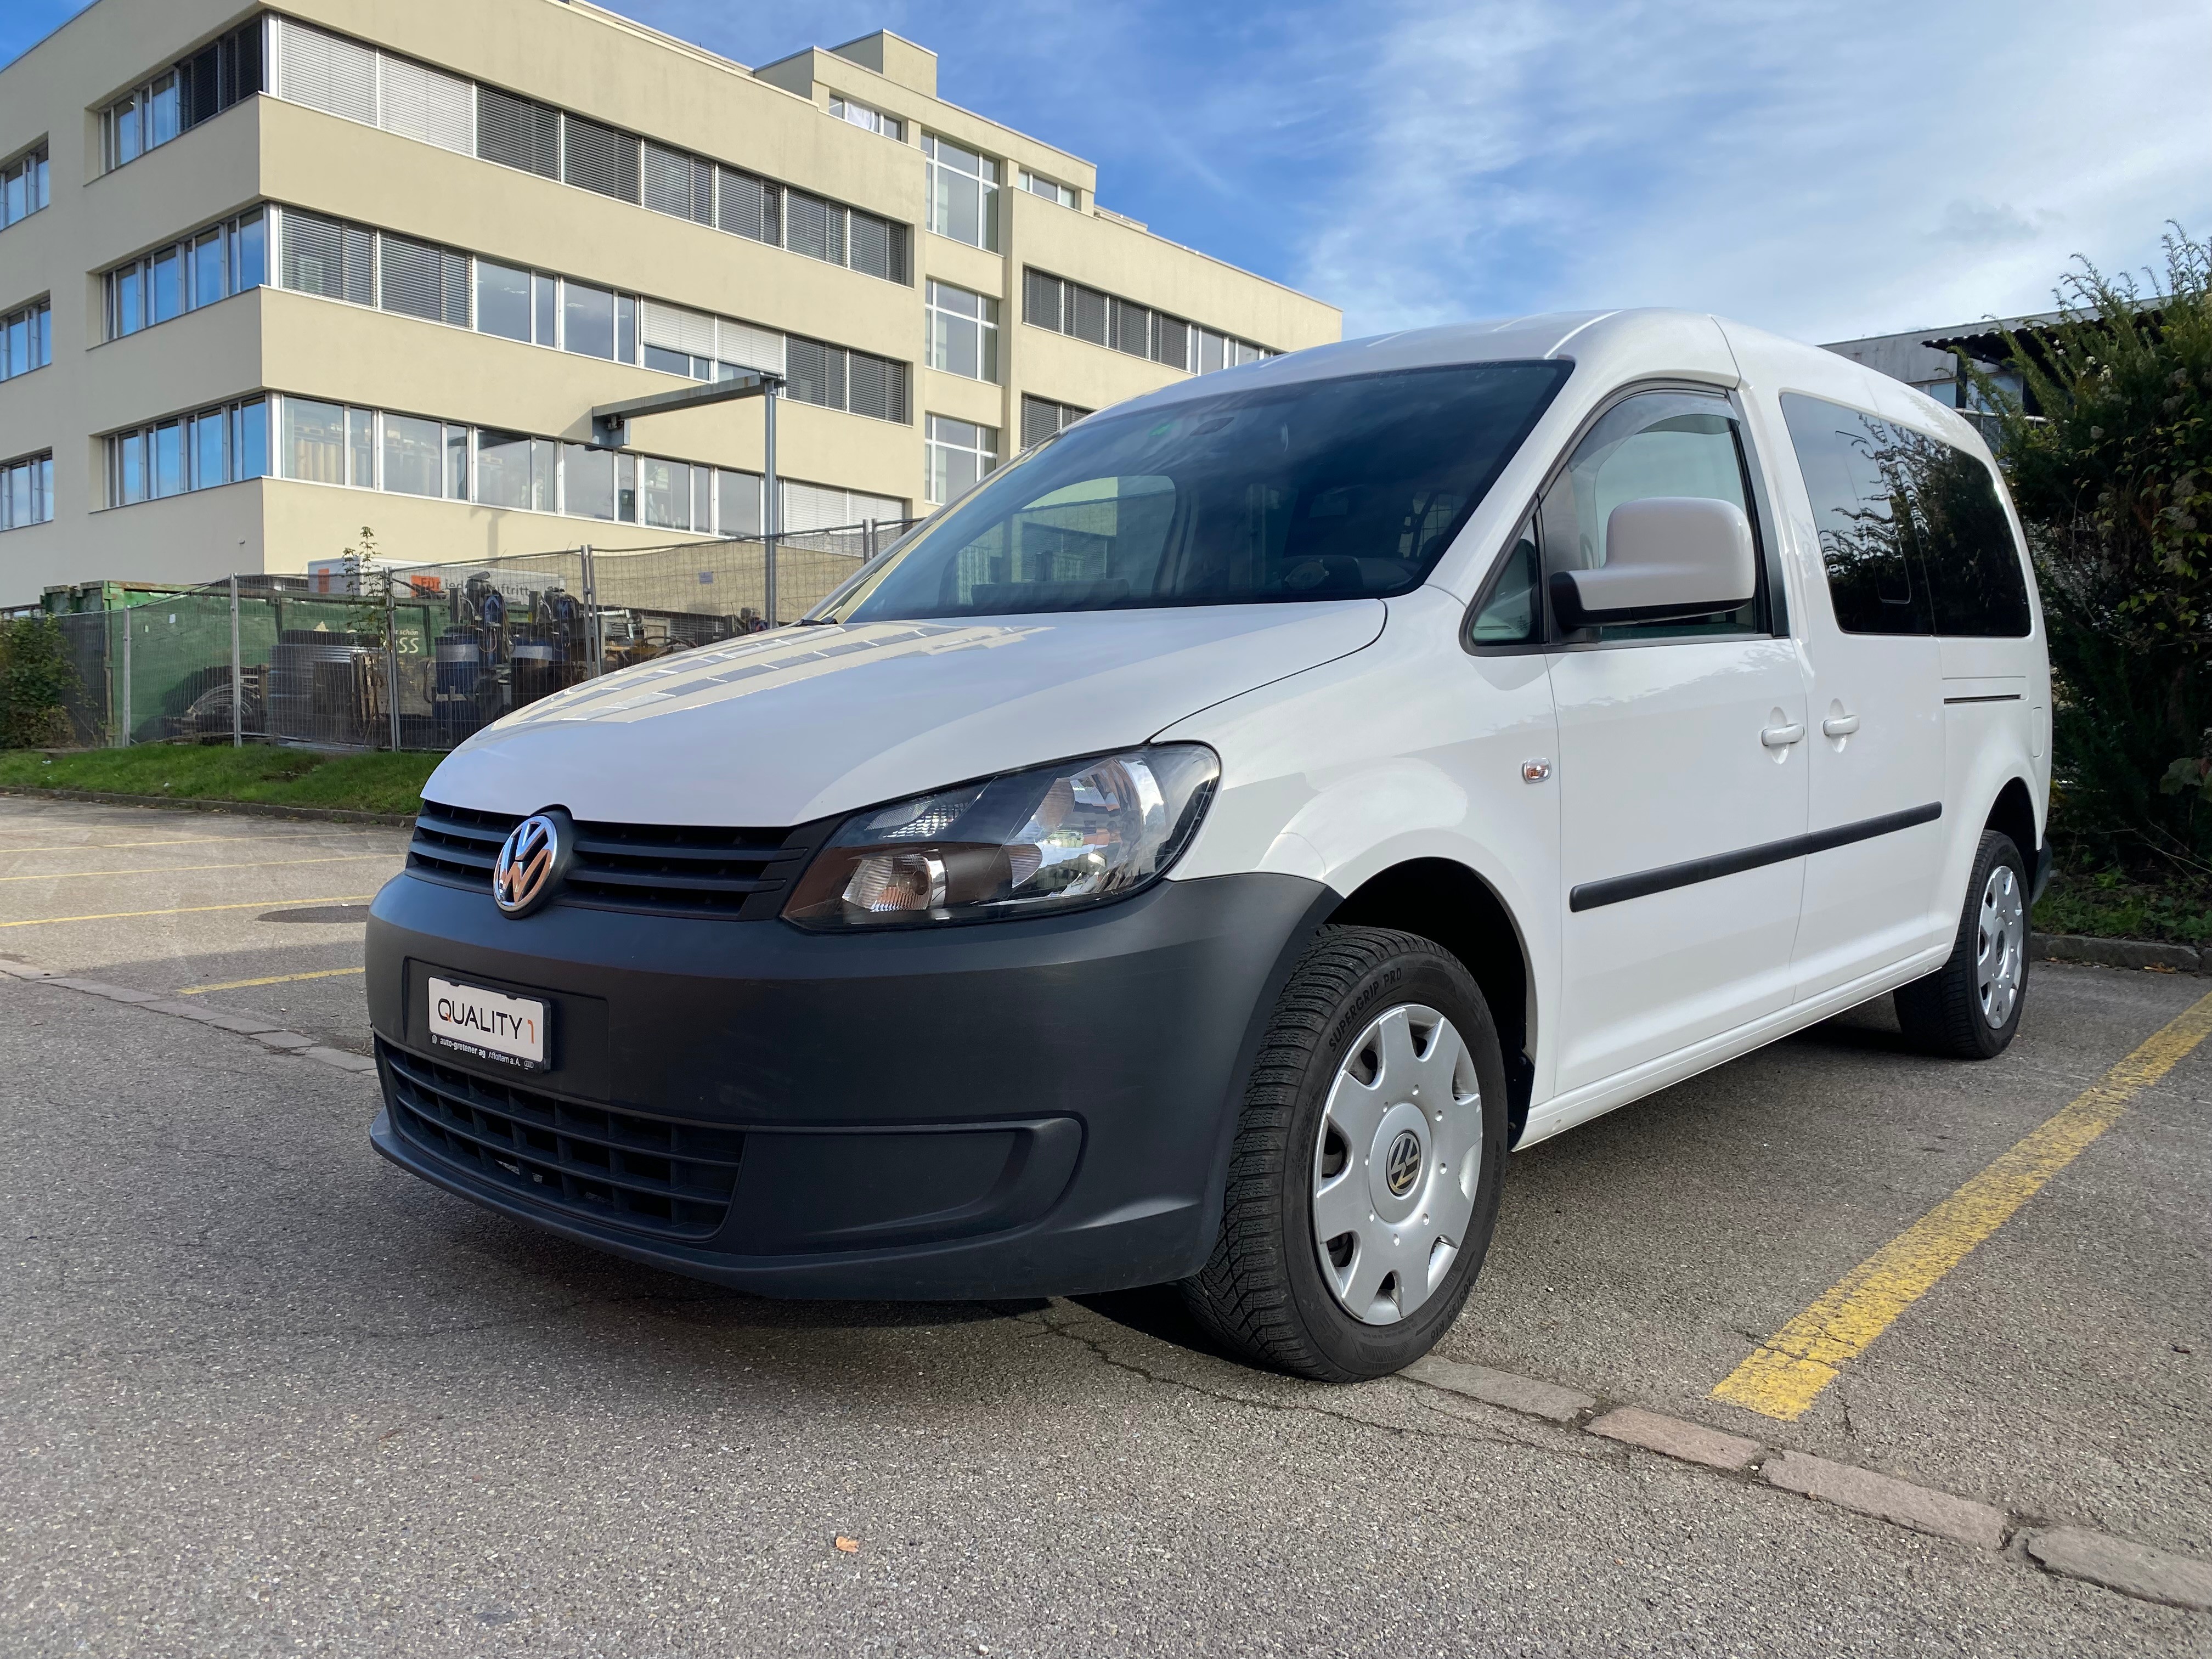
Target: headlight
x=1054, y=838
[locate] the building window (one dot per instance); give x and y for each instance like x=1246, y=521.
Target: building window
x=218, y=446
x=963, y=193
x=959, y=457
x=197, y=270
x=1050, y=189
x=175, y=101
x=873, y=119
x=27, y=339
x=25, y=186
x=26, y=492
x=964, y=332
x=832, y=377
x=1123, y=325
x=358, y=82
x=1043, y=419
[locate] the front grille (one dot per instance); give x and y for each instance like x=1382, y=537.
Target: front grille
x=668, y=869
x=654, y=1174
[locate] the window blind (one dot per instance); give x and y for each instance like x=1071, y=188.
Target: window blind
x=1041, y=300
x=1086, y=313
x=1131, y=331
x=675, y=328
x=813, y=226
x=516, y=132
x=414, y=276
x=750, y=207
x=416, y=101
x=326, y=72
x=1170, y=341
x=871, y=387
x=815, y=373
x=599, y=158
x=754, y=348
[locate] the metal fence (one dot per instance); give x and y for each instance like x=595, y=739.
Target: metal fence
x=421, y=656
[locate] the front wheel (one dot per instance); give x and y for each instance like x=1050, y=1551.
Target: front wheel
x=1969, y=1008
x=1363, y=1185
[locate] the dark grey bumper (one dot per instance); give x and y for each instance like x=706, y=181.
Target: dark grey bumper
x=1013, y=1109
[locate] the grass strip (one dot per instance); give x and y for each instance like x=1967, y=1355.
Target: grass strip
x=378, y=782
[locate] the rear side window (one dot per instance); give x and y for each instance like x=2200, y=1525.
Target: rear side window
x=1913, y=536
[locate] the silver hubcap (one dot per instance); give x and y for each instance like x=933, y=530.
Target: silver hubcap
x=1396, y=1164
x=2001, y=945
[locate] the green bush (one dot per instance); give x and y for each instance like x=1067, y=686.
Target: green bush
x=36, y=677
x=2114, y=484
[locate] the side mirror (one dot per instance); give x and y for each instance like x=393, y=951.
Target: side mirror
x=1668, y=557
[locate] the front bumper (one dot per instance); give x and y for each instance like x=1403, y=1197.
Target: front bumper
x=1005, y=1109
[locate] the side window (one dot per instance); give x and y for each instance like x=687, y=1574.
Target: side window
x=1656, y=443
x=1511, y=612
x=1913, y=536
x=1976, y=586
x=1855, y=474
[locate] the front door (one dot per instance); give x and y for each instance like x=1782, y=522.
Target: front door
x=1682, y=768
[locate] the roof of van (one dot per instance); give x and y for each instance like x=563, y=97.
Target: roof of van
x=1628, y=343
x=1499, y=339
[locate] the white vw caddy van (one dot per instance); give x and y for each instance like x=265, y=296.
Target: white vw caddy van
x=1202, y=852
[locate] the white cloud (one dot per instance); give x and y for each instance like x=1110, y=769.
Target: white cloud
x=1825, y=171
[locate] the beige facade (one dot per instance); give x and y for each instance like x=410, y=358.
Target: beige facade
x=376, y=158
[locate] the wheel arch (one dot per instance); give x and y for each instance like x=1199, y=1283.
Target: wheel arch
x=2013, y=813
x=1444, y=900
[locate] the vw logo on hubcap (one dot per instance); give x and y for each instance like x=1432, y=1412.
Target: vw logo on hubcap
x=1404, y=1167
x=532, y=860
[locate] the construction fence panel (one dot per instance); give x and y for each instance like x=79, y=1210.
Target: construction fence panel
x=422, y=656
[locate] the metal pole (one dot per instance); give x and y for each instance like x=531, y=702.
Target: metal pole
x=391, y=662
x=594, y=634
x=769, y=516
x=126, y=676
x=237, y=675
x=869, y=542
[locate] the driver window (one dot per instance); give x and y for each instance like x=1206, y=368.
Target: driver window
x=1657, y=443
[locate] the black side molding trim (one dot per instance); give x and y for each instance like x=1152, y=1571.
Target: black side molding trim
x=1614, y=889
x=2001, y=696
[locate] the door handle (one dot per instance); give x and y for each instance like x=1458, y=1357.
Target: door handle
x=1781, y=736
x=1839, y=725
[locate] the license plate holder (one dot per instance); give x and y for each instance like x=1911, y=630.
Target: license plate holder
x=488, y=1026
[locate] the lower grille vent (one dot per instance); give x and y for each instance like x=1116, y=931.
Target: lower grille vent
x=657, y=1175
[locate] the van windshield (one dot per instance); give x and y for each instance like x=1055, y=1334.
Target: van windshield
x=1318, y=490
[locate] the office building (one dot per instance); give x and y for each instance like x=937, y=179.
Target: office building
x=267, y=278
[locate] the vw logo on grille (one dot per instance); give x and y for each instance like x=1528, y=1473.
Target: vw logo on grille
x=532, y=861
x=1403, y=1168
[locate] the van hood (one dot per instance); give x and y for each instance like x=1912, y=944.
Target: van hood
x=781, y=728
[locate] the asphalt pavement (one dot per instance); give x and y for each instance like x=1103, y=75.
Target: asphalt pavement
x=264, y=1394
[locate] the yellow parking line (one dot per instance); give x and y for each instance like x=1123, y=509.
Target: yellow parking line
x=273, y=979
x=186, y=869
x=1786, y=1373
x=192, y=911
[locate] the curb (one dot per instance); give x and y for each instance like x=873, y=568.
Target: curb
x=274, y=1038
x=2121, y=953
x=193, y=804
x=2130, y=1568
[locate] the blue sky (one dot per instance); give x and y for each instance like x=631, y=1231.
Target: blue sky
x=1822, y=169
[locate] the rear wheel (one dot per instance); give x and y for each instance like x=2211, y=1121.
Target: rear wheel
x=1969, y=1008
x=1363, y=1185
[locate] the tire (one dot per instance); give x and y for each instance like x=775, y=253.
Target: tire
x=1969, y=1008
x=1366, y=1010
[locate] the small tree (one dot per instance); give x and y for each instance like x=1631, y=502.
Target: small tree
x=36, y=677
x=2114, y=484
